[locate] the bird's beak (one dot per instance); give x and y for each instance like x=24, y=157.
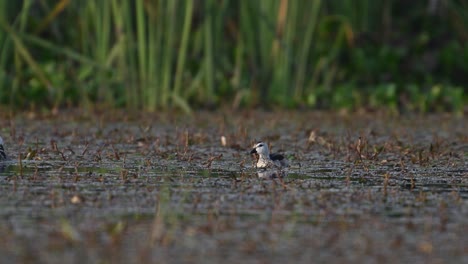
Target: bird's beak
x=253, y=151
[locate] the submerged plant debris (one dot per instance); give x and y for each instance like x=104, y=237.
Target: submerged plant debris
x=361, y=187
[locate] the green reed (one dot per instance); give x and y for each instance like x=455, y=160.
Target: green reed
x=144, y=51
x=165, y=54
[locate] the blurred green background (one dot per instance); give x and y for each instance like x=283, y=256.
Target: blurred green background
x=183, y=54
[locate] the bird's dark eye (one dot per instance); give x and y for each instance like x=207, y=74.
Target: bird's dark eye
x=261, y=145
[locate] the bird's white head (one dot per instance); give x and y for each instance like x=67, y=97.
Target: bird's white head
x=261, y=148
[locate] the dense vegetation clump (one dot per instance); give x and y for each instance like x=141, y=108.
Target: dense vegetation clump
x=158, y=54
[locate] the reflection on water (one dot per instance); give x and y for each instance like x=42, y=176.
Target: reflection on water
x=5, y=166
x=271, y=173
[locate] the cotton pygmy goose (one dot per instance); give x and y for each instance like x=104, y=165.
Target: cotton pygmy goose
x=265, y=159
x=2, y=150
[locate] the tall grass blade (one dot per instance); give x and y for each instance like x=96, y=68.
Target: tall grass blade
x=181, y=59
x=58, y=8
x=168, y=55
x=303, y=56
x=208, y=50
x=26, y=55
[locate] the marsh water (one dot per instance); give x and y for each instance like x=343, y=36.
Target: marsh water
x=118, y=188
